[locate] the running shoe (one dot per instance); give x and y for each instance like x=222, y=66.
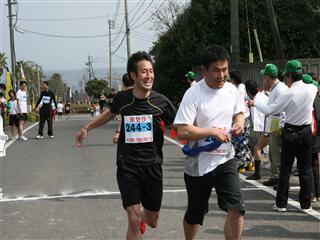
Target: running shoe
x=22, y=138
x=278, y=209
x=39, y=137
x=142, y=227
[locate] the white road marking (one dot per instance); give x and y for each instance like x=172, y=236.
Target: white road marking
x=95, y=194
x=293, y=203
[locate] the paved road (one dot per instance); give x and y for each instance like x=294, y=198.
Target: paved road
x=54, y=190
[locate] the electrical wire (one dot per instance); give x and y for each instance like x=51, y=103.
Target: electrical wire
x=134, y=27
x=57, y=36
x=143, y=12
x=60, y=19
x=137, y=11
x=116, y=13
x=124, y=36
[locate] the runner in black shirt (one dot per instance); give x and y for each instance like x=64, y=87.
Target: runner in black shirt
x=46, y=98
x=139, y=153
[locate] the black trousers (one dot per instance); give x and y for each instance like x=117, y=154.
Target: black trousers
x=45, y=116
x=296, y=142
x=316, y=179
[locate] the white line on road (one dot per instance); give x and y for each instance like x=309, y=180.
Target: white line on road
x=293, y=203
x=96, y=194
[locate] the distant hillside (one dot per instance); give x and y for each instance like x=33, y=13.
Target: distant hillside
x=77, y=78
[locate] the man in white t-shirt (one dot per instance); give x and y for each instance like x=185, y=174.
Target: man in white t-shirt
x=212, y=109
x=23, y=108
x=60, y=110
x=257, y=118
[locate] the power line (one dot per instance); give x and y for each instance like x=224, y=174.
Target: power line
x=134, y=27
x=138, y=10
x=59, y=19
x=143, y=12
x=116, y=13
x=18, y=29
x=124, y=36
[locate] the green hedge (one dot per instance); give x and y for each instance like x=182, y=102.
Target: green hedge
x=80, y=108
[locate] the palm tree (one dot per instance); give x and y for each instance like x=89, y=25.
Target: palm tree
x=3, y=63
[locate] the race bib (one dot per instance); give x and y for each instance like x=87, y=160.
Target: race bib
x=46, y=99
x=138, y=129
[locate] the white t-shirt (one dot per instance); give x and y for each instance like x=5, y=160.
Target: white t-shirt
x=256, y=115
x=205, y=107
x=60, y=107
x=22, y=97
x=243, y=96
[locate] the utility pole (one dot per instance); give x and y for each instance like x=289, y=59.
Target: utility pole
x=127, y=28
x=12, y=50
x=111, y=26
x=38, y=78
x=274, y=30
x=235, y=37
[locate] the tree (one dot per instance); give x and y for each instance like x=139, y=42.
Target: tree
x=95, y=87
x=57, y=86
x=204, y=22
x=3, y=63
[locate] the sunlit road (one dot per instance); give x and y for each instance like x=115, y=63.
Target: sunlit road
x=53, y=190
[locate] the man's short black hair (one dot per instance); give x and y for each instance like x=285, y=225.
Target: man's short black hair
x=3, y=86
x=236, y=76
x=22, y=82
x=296, y=76
x=132, y=65
x=127, y=82
x=46, y=83
x=251, y=87
x=214, y=53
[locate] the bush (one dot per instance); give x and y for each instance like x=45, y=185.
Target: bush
x=80, y=108
x=33, y=117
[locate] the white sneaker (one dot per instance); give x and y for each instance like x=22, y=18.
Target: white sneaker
x=275, y=208
x=51, y=136
x=39, y=137
x=23, y=138
x=306, y=210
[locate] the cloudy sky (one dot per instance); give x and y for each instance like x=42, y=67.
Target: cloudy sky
x=60, y=34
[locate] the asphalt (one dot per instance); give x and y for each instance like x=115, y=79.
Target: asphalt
x=52, y=189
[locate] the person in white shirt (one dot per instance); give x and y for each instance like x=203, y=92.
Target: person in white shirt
x=60, y=110
x=212, y=109
x=23, y=108
x=271, y=81
x=13, y=113
x=297, y=102
x=258, y=126
x=243, y=152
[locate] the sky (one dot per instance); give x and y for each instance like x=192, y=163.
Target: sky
x=62, y=19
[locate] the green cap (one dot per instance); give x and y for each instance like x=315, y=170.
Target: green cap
x=190, y=75
x=270, y=70
x=306, y=78
x=293, y=66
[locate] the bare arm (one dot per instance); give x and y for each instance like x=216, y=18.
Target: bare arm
x=238, y=124
x=103, y=118
x=190, y=132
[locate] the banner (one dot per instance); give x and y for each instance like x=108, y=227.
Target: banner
x=8, y=83
x=23, y=77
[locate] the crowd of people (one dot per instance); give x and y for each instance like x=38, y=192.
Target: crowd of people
x=218, y=107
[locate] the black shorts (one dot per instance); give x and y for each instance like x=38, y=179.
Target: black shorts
x=140, y=185
x=225, y=180
x=23, y=117
x=59, y=113
x=13, y=120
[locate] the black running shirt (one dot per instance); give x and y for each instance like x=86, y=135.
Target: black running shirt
x=141, y=136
